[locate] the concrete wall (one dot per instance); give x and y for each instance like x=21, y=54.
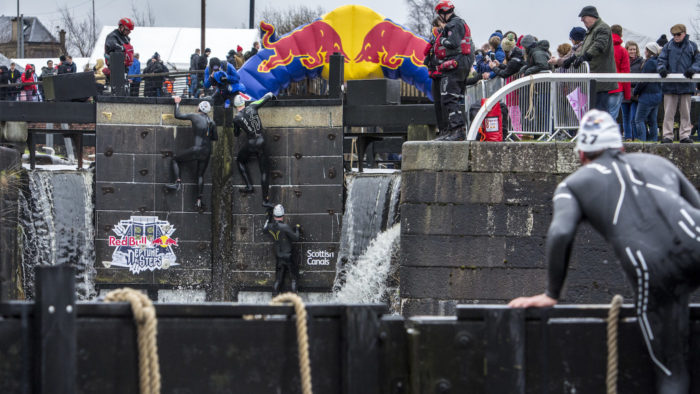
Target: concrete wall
x=474, y=220
x=134, y=145
x=305, y=145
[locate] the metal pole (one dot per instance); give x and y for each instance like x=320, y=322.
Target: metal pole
x=251, y=19
x=203, y=25
x=20, y=36
x=19, y=31
x=94, y=33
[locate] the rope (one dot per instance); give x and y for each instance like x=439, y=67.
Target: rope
x=530, y=114
x=146, y=322
x=302, y=338
x=613, y=319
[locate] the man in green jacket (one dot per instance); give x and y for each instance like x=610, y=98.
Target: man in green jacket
x=598, y=52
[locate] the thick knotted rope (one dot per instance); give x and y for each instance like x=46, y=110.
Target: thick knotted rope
x=302, y=338
x=613, y=319
x=530, y=114
x=146, y=328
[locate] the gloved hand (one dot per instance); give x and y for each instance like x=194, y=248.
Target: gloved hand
x=689, y=73
x=663, y=72
x=569, y=61
x=580, y=59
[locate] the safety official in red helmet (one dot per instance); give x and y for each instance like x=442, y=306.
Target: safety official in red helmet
x=453, y=50
x=118, y=41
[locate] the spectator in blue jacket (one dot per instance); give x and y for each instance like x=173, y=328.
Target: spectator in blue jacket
x=649, y=94
x=680, y=55
x=224, y=78
x=134, y=82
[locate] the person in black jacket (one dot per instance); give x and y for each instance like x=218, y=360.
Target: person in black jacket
x=118, y=38
x=283, y=236
x=248, y=121
x=153, y=86
x=194, y=63
x=4, y=78
x=453, y=49
x=204, y=130
x=13, y=76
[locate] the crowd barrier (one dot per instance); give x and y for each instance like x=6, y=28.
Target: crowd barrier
x=543, y=110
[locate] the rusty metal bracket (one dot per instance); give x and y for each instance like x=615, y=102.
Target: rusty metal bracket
x=143, y=172
x=298, y=156
x=144, y=134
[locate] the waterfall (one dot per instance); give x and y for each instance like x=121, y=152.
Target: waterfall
x=371, y=207
x=372, y=278
x=56, y=218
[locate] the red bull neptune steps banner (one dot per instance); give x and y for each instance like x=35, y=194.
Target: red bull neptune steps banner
x=373, y=47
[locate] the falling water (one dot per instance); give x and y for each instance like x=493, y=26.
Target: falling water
x=371, y=207
x=372, y=279
x=57, y=226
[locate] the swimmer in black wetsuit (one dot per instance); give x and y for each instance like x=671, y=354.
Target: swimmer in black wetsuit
x=204, y=130
x=248, y=120
x=650, y=213
x=283, y=236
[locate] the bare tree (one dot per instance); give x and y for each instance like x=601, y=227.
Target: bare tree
x=80, y=37
x=422, y=14
x=286, y=20
x=143, y=17
x=695, y=22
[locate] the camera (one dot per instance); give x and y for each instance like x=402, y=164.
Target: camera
x=492, y=56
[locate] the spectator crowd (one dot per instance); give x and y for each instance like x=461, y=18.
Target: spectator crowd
x=455, y=65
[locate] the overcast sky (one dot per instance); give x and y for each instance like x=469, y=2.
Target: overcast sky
x=546, y=19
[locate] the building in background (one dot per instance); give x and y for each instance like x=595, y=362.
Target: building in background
x=38, y=40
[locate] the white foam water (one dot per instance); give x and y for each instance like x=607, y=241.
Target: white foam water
x=368, y=280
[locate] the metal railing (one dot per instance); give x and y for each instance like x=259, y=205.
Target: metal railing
x=556, y=79
x=542, y=109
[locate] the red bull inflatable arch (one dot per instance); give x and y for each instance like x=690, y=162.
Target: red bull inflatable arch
x=373, y=47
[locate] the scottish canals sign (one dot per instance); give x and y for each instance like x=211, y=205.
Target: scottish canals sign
x=319, y=257
x=143, y=243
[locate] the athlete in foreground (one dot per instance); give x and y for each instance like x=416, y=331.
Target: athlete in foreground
x=204, y=130
x=283, y=236
x=650, y=213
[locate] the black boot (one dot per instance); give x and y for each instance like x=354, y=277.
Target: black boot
x=456, y=135
x=442, y=134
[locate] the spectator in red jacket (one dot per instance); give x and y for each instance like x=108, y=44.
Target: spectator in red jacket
x=29, y=92
x=622, y=63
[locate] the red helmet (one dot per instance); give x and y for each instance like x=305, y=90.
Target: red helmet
x=444, y=6
x=127, y=22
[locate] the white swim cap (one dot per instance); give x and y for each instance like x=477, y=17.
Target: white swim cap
x=238, y=101
x=205, y=107
x=278, y=211
x=598, y=131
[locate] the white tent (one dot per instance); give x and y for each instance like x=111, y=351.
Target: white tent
x=176, y=44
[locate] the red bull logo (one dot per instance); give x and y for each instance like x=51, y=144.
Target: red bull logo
x=388, y=44
x=164, y=241
x=313, y=43
x=127, y=241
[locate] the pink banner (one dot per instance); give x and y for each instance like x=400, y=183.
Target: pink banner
x=515, y=116
x=579, y=102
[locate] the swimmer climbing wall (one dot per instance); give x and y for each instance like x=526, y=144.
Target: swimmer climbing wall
x=305, y=144
x=135, y=140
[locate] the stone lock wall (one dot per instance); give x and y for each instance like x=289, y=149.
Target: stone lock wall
x=134, y=147
x=474, y=221
x=305, y=145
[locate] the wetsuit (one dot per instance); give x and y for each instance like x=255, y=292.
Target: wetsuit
x=204, y=130
x=248, y=121
x=649, y=212
x=283, y=236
